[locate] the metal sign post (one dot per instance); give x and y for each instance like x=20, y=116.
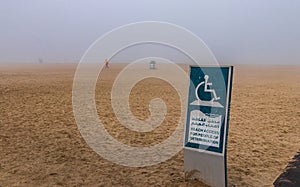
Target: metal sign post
x=206, y=129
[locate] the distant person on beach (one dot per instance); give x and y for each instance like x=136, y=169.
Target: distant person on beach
x=106, y=64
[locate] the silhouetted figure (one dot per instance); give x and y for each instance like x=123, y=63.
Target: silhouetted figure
x=106, y=64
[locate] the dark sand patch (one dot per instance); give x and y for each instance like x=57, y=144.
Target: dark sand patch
x=291, y=176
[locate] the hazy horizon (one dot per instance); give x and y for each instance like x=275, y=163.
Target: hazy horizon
x=252, y=32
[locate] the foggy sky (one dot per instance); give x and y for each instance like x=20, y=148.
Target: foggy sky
x=238, y=32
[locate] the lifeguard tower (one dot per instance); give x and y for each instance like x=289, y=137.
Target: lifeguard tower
x=152, y=64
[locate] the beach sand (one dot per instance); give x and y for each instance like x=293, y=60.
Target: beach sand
x=40, y=143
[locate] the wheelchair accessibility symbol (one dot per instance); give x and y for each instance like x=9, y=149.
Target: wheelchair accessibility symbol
x=206, y=95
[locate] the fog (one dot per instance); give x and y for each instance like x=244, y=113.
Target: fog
x=237, y=32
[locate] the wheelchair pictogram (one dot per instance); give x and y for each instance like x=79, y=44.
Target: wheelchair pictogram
x=205, y=94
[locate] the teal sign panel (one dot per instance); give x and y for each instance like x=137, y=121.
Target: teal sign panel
x=208, y=109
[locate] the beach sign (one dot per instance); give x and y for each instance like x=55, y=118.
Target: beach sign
x=206, y=128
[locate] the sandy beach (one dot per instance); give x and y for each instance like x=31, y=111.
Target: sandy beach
x=40, y=143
